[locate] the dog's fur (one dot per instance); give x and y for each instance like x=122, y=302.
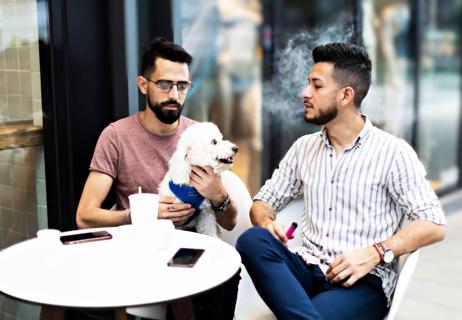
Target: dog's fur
x=200, y=145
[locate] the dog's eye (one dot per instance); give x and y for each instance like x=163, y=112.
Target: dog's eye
x=214, y=141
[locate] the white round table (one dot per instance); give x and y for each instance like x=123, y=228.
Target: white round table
x=124, y=271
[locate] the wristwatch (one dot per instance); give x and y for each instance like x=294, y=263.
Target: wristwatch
x=388, y=254
x=223, y=206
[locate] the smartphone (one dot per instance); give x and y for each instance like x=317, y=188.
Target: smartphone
x=85, y=237
x=185, y=257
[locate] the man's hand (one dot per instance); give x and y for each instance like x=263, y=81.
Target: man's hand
x=208, y=184
x=277, y=230
x=352, y=266
x=263, y=215
x=177, y=212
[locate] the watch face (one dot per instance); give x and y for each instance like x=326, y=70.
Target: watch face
x=388, y=256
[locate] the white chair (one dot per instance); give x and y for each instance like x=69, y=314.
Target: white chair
x=250, y=306
x=406, y=267
x=241, y=197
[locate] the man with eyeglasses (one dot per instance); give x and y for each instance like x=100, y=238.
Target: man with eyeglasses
x=134, y=152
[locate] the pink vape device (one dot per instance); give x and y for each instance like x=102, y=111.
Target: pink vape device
x=290, y=231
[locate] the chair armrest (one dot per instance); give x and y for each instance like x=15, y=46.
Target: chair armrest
x=406, y=267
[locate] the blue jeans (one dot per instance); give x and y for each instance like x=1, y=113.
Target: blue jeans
x=295, y=290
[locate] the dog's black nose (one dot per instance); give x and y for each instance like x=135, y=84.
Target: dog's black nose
x=235, y=149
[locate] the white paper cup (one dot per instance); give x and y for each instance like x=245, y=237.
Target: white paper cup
x=143, y=208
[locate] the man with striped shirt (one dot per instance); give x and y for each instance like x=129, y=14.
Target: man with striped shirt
x=358, y=184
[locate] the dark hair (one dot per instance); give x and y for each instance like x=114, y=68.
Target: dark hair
x=162, y=48
x=352, y=66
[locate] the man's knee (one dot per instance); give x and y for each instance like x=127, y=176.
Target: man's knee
x=251, y=240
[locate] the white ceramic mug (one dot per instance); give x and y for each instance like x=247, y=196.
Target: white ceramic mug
x=49, y=237
x=49, y=234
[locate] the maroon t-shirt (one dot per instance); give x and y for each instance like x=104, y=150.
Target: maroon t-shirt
x=134, y=156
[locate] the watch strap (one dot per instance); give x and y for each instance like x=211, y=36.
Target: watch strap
x=387, y=251
x=223, y=206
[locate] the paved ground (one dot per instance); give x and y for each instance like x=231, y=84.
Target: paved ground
x=435, y=290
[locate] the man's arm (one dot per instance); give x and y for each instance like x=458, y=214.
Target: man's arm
x=356, y=264
x=228, y=218
x=89, y=212
x=417, y=234
x=91, y=215
x=263, y=215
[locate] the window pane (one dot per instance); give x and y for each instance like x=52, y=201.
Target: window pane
x=386, y=34
x=223, y=38
x=439, y=94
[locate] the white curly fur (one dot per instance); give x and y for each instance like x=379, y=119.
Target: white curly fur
x=201, y=145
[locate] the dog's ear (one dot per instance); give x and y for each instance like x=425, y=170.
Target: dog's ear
x=179, y=166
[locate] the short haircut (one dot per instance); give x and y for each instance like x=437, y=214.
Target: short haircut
x=162, y=48
x=352, y=66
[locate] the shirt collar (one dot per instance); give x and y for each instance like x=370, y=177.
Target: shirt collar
x=365, y=131
x=361, y=136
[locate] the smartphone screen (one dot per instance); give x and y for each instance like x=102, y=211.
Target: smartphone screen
x=185, y=257
x=85, y=237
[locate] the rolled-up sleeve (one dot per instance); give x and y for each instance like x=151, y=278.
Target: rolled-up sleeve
x=409, y=187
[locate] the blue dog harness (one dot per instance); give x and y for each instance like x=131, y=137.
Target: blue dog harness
x=189, y=195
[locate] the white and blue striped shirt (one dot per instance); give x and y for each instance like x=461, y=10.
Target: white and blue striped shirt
x=354, y=199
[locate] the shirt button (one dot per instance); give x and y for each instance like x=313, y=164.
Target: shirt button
x=330, y=155
x=330, y=209
x=332, y=181
x=327, y=235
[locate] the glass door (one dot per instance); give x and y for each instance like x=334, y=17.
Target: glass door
x=438, y=137
x=23, y=206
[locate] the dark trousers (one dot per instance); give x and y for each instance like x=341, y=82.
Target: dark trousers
x=216, y=303
x=294, y=290
x=219, y=302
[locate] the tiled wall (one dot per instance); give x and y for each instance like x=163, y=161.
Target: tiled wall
x=20, y=97
x=22, y=179
x=22, y=210
x=18, y=204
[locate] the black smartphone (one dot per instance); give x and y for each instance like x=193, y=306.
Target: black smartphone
x=85, y=237
x=185, y=257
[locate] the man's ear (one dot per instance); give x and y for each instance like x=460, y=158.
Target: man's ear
x=347, y=96
x=142, y=84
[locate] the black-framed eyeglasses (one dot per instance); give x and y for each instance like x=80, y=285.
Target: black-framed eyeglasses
x=165, y=86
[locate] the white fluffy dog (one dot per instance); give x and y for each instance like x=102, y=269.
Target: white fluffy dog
x=201, y=145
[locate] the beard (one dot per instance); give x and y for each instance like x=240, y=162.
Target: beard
x=325, y=116
x=164, y=115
